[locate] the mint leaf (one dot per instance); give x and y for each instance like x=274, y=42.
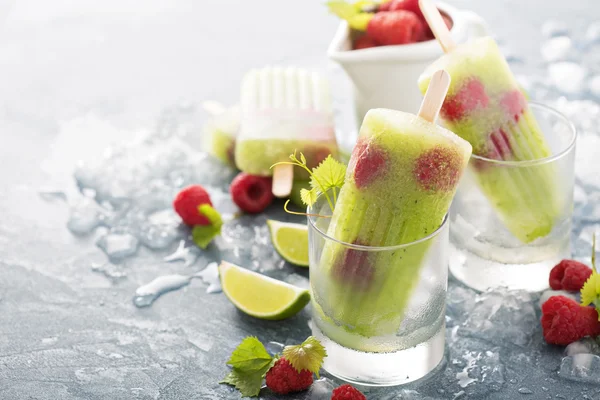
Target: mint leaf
x=250, y=355
x=204, y=234
x=309, y=355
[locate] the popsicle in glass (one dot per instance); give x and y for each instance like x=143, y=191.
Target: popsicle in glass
x=486, y=107
x=400, y=182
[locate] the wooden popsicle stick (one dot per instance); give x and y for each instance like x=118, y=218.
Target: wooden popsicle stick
x=283, y=178
x=438, y=26
x=435, y=95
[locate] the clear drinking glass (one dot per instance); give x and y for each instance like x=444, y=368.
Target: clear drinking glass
x=379, y=311
x=510, y=221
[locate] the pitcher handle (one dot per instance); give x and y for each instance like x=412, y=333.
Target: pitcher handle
x=477, y=26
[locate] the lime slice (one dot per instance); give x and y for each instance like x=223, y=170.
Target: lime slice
x=260, y=296
x=290, y=241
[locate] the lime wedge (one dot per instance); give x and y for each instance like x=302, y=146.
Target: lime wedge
x=260, y=296
x=290, y=241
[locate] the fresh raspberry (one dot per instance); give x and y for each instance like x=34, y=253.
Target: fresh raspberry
x=569, y=275
x=514, y=103
x=406, y=5
x=468, y=98
x=438, y=169
x=564, y=321
x=369, y=163
x=347, y=392
x=385, y=6
x=395, y=27
x=186, y=205
x=283, y=378
x=364, y=42
x=355, y=267
x=251, y=193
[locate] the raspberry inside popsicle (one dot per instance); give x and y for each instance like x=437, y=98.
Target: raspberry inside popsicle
x=402, y=177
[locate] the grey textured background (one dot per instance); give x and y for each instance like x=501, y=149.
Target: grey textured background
x=78, y=75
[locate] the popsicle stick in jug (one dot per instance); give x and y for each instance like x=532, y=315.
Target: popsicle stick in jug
x=435, y=95
x=438, y=26
x=283, y=179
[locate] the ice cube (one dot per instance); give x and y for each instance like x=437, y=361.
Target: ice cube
x=595, y=85
x=118, y=244
x=211, y=172
x=187, y=254
x=592, y=34
x=583, y=243
x=321, y=389
x=584, y=346
x=554, y=28
x=567, y=77
x=556, y=48
x=85, y=216
x=210, y=276
x=246, y=241
x=587, y=155
x=502, y=317
x=223, y=203
x=459, y=302
x=159, y=229
x=581, y=367
x=274, y=348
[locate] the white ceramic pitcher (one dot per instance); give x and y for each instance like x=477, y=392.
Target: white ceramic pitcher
x=387, y=76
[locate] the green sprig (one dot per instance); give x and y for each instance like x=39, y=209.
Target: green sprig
x=329, y=176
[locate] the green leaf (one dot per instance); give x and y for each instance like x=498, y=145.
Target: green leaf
x=329, y=174
x=250, y=362
x=248, y=383
x=342, y=9
x=308, y=355
x=590, y=292
x=211, y=214
x=360, y=21
x=302, y=158
x=352, y=13
x=309, y=197
x=250, y=355
x=204, y=234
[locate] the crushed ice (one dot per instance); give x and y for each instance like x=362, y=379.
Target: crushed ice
x=146, y=295
x=210, y=276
